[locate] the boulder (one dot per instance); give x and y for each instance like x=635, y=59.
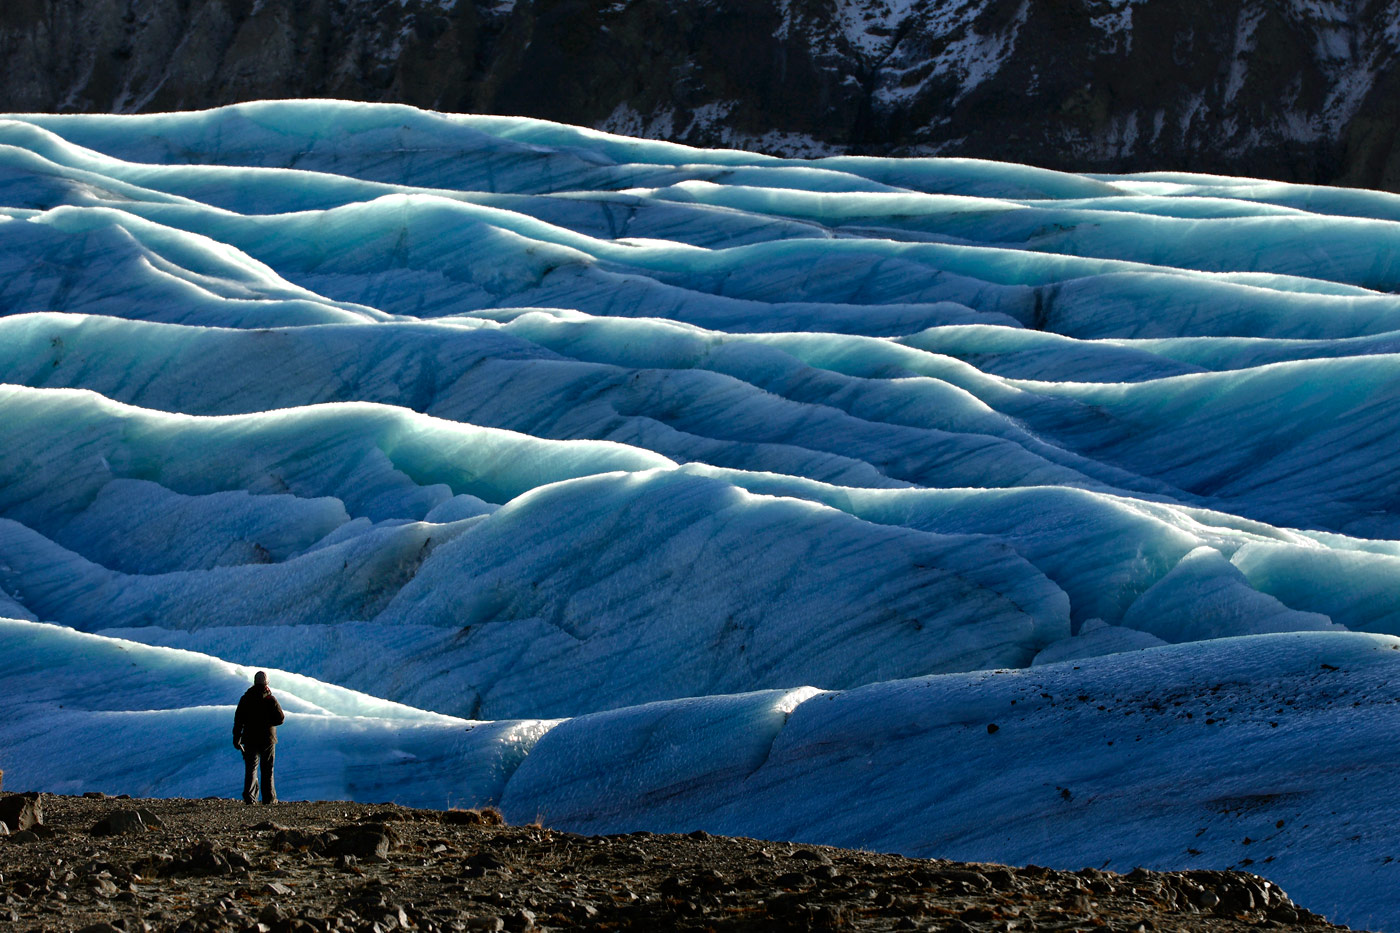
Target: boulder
x=369, y=842
x=292, y=840
x=21, y=811
x=103, y=888
x=150, y=819
x=488, y=924
x=488, y=816
x=119, y=822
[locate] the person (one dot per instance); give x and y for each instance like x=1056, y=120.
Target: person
x=255, y=735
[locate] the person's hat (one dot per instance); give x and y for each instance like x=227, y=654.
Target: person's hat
x=260, y=679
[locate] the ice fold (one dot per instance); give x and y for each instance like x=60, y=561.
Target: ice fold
x=633, y=485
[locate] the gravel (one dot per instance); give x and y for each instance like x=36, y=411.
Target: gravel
x=210, y=866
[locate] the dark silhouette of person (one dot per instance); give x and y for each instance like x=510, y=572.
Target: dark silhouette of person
x=255, y=735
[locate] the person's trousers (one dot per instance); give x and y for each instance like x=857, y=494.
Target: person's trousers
x=251, y=759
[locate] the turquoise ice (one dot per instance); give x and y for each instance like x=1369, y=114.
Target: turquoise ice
x=642, y=486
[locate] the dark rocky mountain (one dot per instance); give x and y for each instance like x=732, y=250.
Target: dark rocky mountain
x=1303, y=90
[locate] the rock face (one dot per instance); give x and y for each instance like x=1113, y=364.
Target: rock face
x=1289, y=89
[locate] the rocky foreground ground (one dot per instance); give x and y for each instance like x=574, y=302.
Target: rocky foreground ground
x=103, y=864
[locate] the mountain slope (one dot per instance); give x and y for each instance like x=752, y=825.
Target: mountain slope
x=1300, y=90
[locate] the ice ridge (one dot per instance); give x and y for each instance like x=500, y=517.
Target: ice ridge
x=674, y=481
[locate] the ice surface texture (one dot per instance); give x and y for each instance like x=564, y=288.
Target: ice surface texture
x=692, y=488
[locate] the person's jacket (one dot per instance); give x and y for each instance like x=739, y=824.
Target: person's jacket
x=257, y=718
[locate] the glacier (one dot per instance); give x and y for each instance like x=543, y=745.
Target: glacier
x=628, y=485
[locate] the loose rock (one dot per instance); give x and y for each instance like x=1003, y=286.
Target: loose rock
x=219, y=867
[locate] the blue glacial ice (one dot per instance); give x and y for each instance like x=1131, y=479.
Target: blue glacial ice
x=639, y=486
